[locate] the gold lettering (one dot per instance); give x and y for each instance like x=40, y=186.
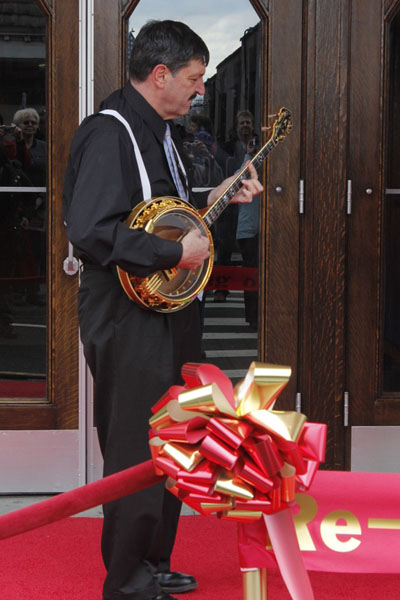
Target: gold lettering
x=384, y=523
x=308, y=510
x=330, y=530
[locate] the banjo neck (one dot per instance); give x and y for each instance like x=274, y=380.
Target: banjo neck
x=215, y=210
x=169, y=290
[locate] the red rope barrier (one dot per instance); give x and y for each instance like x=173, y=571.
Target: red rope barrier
x=224, y=277
x=70, y=503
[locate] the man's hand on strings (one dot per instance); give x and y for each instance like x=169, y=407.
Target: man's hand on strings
x=248, y=189
x=196, y=248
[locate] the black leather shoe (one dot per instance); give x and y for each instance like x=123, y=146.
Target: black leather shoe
x=171, y=581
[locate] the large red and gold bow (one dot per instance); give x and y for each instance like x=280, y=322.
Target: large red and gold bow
x=225, y=450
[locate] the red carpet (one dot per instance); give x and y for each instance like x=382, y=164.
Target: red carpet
x=62, y=562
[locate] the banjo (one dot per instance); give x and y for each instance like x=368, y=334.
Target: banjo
x=170, y=290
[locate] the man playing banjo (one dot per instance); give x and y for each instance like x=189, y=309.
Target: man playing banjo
x=135, y=354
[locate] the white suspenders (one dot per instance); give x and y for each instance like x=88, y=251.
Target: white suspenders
x=142, y=169
x=144, y=178
x=146, y=188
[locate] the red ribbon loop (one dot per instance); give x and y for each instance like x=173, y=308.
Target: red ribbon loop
x=225, y=450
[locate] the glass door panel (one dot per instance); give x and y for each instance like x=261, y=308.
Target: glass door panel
x=220, y=131
x=41, y=441
x=391, y=231
x=23, y=202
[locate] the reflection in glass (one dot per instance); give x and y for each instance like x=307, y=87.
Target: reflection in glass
x=222, y=129
x=391, y=358
x=22, y=200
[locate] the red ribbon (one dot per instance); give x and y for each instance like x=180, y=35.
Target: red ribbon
x=226, y=451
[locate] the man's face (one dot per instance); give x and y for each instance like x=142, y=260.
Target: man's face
x=244, y=126
x=182, y=88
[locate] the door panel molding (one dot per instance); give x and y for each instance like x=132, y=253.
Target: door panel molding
x=47, y=437
x=281, y=231
x=322, y=269
x=363, y=249
x=63, y=86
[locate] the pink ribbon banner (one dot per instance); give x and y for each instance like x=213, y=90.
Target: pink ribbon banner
x=348, y=522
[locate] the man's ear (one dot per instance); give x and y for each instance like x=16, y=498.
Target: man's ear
x=160, y=74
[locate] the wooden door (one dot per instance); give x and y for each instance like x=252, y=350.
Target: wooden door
x=332, y=244
x=306, y=212
x=281, y=224
x=373, y=239
x=47, y=66
x=236, y=34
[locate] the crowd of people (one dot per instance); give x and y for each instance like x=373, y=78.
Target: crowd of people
x=210, y=162
x=22, y=215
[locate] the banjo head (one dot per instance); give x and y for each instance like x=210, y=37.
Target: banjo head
x=168, y=290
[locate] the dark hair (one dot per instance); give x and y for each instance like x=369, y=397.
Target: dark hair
x=202, y=122
x=169, y=43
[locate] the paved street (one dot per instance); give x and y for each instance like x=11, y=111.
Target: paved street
x=228, y=341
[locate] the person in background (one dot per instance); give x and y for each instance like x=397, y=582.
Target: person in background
x=30, y=151
x=205, y=171
x=32, y=154
x=200, y=122
x=134, y=354
x=200, y=148
x=6, y=131
x=230, y=156
x=247, y=235
x=231, y=153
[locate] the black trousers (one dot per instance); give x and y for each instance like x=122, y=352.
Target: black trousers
x=135, y=355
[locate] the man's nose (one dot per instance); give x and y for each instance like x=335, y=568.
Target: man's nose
x=200, y=89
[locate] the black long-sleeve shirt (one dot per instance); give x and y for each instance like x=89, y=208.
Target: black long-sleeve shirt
x=102, y=185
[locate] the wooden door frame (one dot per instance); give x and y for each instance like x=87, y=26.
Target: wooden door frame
x=369, y=108
x=281, y=227
x=322, y=266
x=323, y=299
x=386, y=405
x=305, y=251
x=59, y=410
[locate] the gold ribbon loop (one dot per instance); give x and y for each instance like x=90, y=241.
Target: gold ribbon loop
x=236, y=462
